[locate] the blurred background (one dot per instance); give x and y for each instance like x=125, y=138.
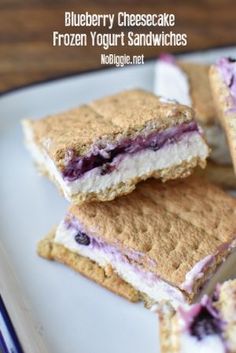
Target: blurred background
x=27, y=55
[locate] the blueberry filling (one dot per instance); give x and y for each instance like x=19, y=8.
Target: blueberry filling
x=204, y=324
x=77, y=166
x=82, y=238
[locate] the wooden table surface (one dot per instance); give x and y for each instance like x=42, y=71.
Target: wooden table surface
x=27, y=54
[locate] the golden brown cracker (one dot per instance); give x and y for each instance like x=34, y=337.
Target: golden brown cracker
x=200, y=91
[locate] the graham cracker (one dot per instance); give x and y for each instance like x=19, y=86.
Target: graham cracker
x=169, y=332
x=108, y=279
x=104, y=121
x=200, y=92
x=222, y=101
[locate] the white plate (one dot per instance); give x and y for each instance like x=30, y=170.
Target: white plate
x=53, y=308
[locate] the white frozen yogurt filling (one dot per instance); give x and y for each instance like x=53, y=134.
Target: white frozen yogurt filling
x=209, y=344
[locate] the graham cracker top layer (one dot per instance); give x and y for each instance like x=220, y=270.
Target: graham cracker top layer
x=200, y=91
x=124, y=114
x=176, y=224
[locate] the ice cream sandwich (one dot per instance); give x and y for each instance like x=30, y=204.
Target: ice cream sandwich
x=223, y=85
x=103, y=149
x=163, y=241
x=188, y=83
x=208, y=326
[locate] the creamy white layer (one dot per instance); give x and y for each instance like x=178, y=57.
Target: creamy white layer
x=209, y=344
x=155, y=288
x=129, y=167
x=172, y=82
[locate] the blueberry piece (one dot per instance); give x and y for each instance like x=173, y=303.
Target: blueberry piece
x=82, y=238
x=205, y=324
x=154, y=146
x=107, y=169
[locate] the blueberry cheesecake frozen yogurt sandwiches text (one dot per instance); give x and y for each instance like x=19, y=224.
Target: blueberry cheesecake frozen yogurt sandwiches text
x=103, y=149
x=160, y=243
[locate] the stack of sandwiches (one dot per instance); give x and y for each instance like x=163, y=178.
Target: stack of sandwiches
x=142, y=221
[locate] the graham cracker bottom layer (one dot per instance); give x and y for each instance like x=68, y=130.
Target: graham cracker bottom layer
x=177, y=171
x=108, y=279
x=169, y=339
x=222, y=175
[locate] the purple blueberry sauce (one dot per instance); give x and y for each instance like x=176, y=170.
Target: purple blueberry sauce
x=202, y=319
x=77, y=166
x=227, y=68
x=205, y=324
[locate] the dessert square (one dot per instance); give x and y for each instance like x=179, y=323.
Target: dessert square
x=103, y=149
x=188, y=83
x=208, y=326
x=223, y=86
x=165, y=239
